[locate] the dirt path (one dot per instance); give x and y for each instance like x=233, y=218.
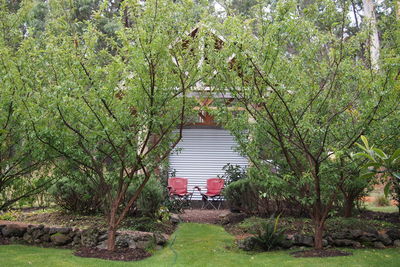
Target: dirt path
x=203, y=216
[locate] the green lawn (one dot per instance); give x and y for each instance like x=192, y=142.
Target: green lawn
x=390, y=209
x=196, y=245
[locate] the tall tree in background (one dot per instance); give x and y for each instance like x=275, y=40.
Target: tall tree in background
x=374, y=43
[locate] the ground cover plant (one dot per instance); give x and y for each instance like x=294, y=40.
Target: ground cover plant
x=197, y=245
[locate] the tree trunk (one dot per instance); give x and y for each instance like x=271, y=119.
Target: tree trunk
x=398, y=9
x=112, y=227
x=348, y=207
x=319, y=230
x=111, y=238
x=369, y=14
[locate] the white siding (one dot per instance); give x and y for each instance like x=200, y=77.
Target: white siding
x=202, y=153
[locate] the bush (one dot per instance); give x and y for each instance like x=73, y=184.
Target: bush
x=233, y=173
x=75, y=193
x=151, y=198
x=243, y=195
x=382, y=201
x=268, y=237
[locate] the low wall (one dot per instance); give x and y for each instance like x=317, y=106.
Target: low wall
x=345, y=238
x=70, y=237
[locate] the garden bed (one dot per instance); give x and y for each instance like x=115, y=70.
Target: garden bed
x=312, y=253
x=123, y=254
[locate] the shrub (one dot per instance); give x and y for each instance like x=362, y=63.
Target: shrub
x=382, y=201
x=268, y=236
x=233, y=173
x=151, y=198
x=75, y=193
x=243, y=195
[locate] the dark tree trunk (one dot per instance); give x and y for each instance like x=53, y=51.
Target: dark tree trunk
x=348, y=207
x=319, y=230
x=111, y=238
x=112, y=227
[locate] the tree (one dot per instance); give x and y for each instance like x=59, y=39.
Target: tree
x=304, y=95
x=22, y=160
x=115, y=101
x=369, y=15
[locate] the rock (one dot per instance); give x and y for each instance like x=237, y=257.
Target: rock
x=121, y=242
x=394, y=234
x=396, y=243
x=343, y=242
x=37, y=233
x=61, y=230
x=1, y=228
x=89, y=237
x=60, y=239
x=102, y=237
x=45, y=238
x=76, y=241
x=30, y=229
x=304, y=240
x=379, y=245
x=340, y=235
x=385, y=239
x=248, y=244
x=175, y=218
x=355, y=233
x=368, y=237
x=27, y=238
x=159, y=239
x=287, y=243
x=102, y=245
x=143, y=244
x=13, y=230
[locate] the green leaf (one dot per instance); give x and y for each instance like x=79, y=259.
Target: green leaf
x=380, y=153
x=367, y=175
x=395, y=155
x=386, y=189
x=372, y=164
x=365, y=155
x=397, y=175
x=365, y=141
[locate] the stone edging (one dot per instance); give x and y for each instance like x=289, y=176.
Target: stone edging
x=70, y=237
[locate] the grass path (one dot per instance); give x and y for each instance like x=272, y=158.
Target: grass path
x=196, y=245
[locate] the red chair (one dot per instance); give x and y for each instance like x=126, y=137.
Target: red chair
x=213, y=194
x=177, y=188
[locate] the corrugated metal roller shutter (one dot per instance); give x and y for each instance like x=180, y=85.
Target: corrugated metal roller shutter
x=201, y=155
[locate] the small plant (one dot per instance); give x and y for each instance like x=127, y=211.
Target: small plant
x=163, y=214
x=382, y=201
x=268, y=236
x=233, y=173
x=8, y=216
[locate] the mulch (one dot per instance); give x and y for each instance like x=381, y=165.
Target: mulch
x=320, y=253
x=123, y=254
x=380, y=216
x=202, y=216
